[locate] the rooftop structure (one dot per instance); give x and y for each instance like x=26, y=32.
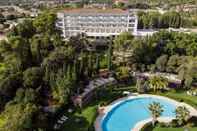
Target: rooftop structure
x=96, y=22
x=94, y=11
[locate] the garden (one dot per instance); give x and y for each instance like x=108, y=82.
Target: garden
x=89, y=113
x=43, y=73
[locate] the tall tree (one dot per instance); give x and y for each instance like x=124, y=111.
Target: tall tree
x=182, y=114
x=62, y=88
x=45, y=23
x=24, y=29
x=97, y=63
x=187, y=72
x=123, y=41
x=109, y=56
x=21, y=48
x=172, y=64
x=161, y=63
x=32, y=77
x=156, y=111
x=157, y=83
x=17, y=117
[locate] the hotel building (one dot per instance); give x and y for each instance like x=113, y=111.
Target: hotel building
x=96, y=22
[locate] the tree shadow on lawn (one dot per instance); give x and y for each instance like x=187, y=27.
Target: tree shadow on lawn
x=76, y=123
x=90, y=109
x=193, y=121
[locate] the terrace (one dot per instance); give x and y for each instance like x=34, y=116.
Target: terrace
x=87, y=94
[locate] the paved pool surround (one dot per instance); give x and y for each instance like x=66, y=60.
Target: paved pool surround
x=140, y=124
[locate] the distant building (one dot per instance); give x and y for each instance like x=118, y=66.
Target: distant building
x=120, y=1
x=145, y=32
x=73, y=1
x=186, y=8
x=3, y=36
x=96, y=22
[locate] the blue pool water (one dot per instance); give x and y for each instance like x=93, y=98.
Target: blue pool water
x=125, y=115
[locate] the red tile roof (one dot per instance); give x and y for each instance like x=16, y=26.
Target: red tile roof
x=95, y=11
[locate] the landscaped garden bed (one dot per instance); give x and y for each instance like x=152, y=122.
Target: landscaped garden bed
x=191, y=125
x=89, y=113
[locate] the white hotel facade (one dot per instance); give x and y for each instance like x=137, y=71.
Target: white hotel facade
x=96, y=23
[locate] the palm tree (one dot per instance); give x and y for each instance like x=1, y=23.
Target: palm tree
x=182, y=114
x=156, y=111
x=157, y=83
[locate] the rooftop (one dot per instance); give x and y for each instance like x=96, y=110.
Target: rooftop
x=95, y=11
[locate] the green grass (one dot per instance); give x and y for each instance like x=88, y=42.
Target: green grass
x=181, y=96
x=2, y=121
x=173, y=129
x=149, y=127
x=89, y=113
x=87, y=116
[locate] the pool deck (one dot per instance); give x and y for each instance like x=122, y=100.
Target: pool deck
x=139, y=125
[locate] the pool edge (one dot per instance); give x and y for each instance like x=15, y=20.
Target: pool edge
x=140, y=124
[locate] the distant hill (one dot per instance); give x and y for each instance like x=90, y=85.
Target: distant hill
x=9, y=2
x=150, y=2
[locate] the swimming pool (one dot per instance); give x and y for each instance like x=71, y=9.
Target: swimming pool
x=125, y=115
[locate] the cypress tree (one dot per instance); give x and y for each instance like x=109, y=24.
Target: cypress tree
x=109, y=55
x=97, y=63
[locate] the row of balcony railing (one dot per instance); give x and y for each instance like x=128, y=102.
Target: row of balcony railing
x=97, y=25
x=98, y=16
x=96, y=20
x=98, y=30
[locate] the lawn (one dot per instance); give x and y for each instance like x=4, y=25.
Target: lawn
x=173, y=129
x=2, y=121
x=181, y=96
x=87, y=118
x=89, y=113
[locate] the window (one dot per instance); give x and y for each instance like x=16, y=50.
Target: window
x=131, y=20
x=130, y=30
x=131, y=25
